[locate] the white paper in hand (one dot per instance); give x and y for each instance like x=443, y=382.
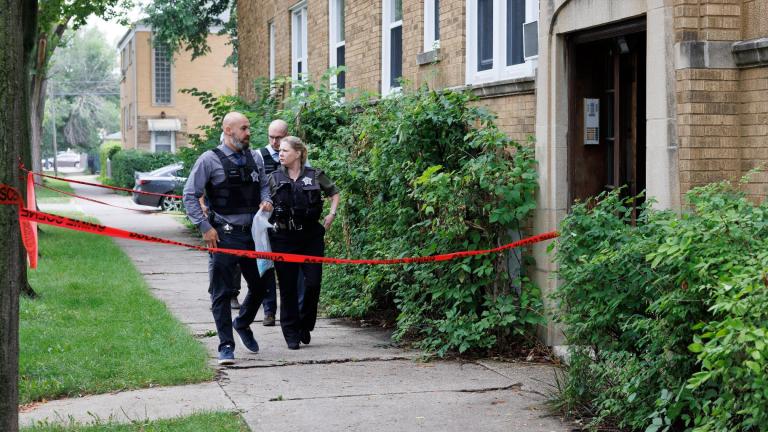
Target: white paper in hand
x=261, y=239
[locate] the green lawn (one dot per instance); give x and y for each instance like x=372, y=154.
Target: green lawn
x=208, y=422
x=47, y=195
x=95, y=328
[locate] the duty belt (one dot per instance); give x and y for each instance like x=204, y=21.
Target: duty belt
x=228, y=227
x=290, y=225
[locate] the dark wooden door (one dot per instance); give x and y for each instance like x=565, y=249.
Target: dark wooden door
x=607, y=69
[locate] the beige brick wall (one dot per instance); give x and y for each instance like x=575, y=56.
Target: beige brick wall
x=450, y=70
x=754, y=128
x=754, y=19
x=363, y=45
x=722, y=113
x=714, y=20
x=516, y=115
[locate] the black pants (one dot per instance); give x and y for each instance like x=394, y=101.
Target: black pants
x=222, y=286
x=308, y=241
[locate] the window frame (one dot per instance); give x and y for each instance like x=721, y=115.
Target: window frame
x=430, y=17
x=500, y=70
x=153, y=140
x=387, y=25
x=171, y=97
x=334, y=13
x=299, y=9
x=271, y=36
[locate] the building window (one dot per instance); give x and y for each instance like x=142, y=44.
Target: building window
x=431, y=25
x=336, y=53
x=495, y=39
x=392, y=45
x=271, y=30
x=299, y=41
x=161, y=75
x=163, y=141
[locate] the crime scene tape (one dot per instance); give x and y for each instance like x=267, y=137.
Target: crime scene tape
x=9, y=196
x=23, y=168
x=92, y=199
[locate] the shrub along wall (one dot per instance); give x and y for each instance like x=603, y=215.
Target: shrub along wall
x=421, y=173
x=668, y=317
x=126, y=162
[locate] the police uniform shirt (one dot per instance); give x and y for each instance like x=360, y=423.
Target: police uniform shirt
x=208, y=168
x=326, y=185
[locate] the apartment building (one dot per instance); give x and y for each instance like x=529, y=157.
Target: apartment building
x=654, y=95
x=155, y=116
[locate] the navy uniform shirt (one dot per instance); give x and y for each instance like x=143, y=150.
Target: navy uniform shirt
x=208, y=168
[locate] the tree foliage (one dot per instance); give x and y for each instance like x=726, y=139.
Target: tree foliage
x=187, y=23
x=87, y=104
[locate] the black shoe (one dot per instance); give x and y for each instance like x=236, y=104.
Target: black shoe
x=246, y=335
x=305, y=337
x=269, y=320
x=293, y=345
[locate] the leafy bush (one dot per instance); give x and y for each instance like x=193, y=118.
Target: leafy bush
x=107, y=150
x=667, y=313
x=422, y=173
x=125, y=163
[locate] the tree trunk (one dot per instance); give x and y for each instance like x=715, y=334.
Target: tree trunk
x=17, y=29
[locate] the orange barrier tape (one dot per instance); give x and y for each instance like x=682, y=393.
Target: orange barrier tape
x=23, y=168
x=93, y=200
x=78, y=225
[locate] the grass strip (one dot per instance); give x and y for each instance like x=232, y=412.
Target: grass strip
x=209, y=422
x=47, y=195
x=95, y=328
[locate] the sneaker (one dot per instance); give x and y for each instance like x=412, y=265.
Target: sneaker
x=305, y=336
x=226, y=355
x=293, y=345
x=234, y=303
x=269, y=320
x=246, y=335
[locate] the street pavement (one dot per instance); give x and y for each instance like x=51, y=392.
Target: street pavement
x=350, y=378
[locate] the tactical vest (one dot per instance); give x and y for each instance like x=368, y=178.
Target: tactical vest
x=269, y=164
x=240, y=191
x=299, y=201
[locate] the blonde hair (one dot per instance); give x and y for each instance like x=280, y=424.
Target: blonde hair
x=297, y=144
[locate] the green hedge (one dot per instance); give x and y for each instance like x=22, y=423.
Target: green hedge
x=126, y=162
x=667, y=313
x=423, y=173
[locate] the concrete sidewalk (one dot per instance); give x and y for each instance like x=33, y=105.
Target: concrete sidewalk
x=349, y=378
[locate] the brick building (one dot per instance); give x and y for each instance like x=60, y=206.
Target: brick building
x=659, y=95
x=154, y=115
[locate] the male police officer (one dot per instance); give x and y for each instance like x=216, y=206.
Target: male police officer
x=233, y=179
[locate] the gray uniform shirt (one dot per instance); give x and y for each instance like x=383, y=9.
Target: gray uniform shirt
x=208, y=168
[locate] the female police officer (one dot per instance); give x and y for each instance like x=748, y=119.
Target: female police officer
x=296, y=193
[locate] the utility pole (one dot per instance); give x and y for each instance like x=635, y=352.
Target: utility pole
x=55, y=147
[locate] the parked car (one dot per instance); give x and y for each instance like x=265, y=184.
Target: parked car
x=63, y=159
x=163, y=180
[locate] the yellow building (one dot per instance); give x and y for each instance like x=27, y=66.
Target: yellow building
x=154, y=115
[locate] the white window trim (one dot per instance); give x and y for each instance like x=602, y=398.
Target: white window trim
x=271, y=32
x=387, y=87
x=500, y=70
x=299, y=8
x=152, y=141
x=430, y=43
x=171, y=78
x=333, y=36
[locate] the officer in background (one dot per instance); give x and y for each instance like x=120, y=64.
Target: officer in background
x=296, y=192
x=232, y=178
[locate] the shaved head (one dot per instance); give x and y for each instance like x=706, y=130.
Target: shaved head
x=237, y=131
x=231, y=118
x=277, y=130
